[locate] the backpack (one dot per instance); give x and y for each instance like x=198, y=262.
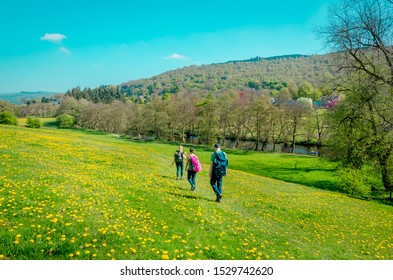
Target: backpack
x=220, y=164
x=178, y=157
x=196, y=164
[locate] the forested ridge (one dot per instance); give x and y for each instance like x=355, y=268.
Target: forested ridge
x=267, y=75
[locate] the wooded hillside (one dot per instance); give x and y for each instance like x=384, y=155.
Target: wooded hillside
x=269, y=75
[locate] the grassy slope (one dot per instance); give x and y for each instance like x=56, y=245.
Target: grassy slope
x=73, y=195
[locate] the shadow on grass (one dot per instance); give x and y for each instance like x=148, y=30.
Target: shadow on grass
x=189, y=196
x=52, y=124
x=165, y=176
x=90, y=131
x=301, y=176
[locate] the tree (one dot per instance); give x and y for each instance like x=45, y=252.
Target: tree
x=277, y=125
x=283, y=95
x=33, y=122
x=70, y=106
x=260, y=124
x=8, y=118
x=5, y=106
x=231, y=107
x=294, y=114
x=293, y=88
x=361, y=34
x=305, y=90
x=225, y=115
x=157, y=117
x=321, y=124
x=65, y=121
x=115, y=117
x=208, y=120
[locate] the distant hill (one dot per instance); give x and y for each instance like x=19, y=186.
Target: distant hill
x=265, y=74
x=15, y=98
x=268, y=75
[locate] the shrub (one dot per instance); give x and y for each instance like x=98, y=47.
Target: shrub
x=33, y=122
x=353, y=182
x=65, y=121
x=8, y=118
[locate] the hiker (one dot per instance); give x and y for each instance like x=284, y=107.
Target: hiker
x=192, y=166
x=179, y=157
x=218, y=169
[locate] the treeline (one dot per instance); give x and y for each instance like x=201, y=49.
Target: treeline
x=34, y=108
x=247, y=115
x=236, y=115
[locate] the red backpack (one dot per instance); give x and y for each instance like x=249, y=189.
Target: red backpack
x=195, y=163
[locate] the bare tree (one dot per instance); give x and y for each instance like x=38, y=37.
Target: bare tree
x=361, y=32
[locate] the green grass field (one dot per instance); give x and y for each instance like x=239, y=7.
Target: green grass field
x=67, y=194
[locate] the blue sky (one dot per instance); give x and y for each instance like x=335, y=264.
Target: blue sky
x=56, y=45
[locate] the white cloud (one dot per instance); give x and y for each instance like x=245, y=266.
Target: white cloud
x=53, y=37
x=176, y=56
x=65, y=50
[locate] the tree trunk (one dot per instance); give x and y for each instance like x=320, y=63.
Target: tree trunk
x=319, y=144
x=387, y=182
x=294, y=134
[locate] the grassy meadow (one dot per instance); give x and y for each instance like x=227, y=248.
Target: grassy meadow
x=67, y=194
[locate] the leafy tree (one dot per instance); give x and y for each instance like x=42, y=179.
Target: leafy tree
x=293, y=88
x=352, y=181
x=305, y=90
x=33, y=122
x=283, y=95
x=8, y=118
x=65, y=121
x=305, y=103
